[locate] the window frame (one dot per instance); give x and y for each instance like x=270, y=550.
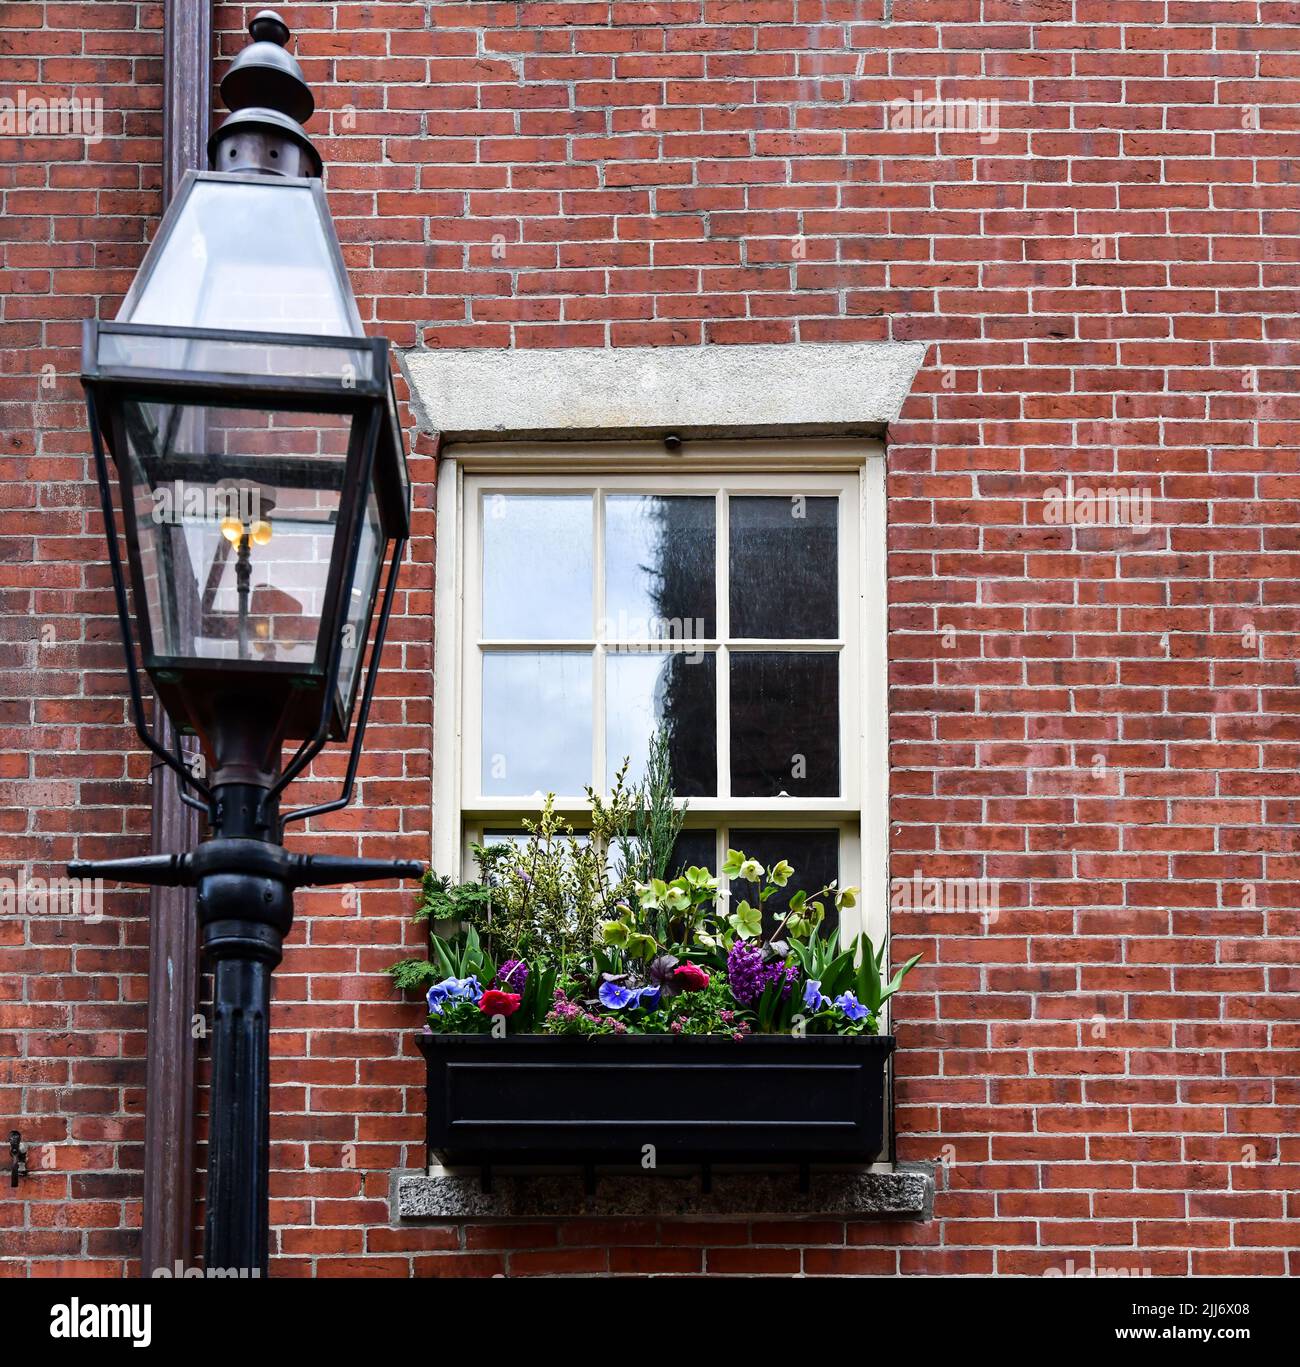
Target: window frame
x=850, y=467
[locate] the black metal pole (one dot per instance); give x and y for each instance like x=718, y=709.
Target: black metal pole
x=245, y=915
x=239, y=1154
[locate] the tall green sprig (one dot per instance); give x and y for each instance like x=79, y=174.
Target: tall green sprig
x=658, y=817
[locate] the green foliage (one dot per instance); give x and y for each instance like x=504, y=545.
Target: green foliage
x=443, y=900
x=658, y=817
x=709, y=1011
x=461, y=956
x=412, y=973
x=822, y=960
x=457, y=955
x=555, y=902
x=537, y=999
x=870, y=991
x=548, y=895
x=461, y=1018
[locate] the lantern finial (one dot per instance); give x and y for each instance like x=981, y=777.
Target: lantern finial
x=269, y=102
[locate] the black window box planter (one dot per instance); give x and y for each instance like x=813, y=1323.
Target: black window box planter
x=547, y=1099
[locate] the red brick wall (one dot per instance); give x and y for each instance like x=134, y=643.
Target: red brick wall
x=1107, y=729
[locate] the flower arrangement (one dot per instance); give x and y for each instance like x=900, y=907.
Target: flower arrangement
x=567, y=936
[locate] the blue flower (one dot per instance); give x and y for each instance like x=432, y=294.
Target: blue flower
x=619, y=998
x=453, y=990
x=852, y=1007
x=812, y=995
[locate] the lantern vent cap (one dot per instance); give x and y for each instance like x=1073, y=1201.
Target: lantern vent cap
x=269, y=100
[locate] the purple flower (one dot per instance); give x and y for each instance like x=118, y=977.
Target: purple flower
x=750, y=977
x=620, y=998
x=453, y=990
x=848, y=1003
x=512, y=976
x=813, y=998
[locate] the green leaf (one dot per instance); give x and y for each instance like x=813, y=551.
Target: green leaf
x=409, y=973
x=747, y=921
x=897, y=980
x=440, y=954
x=869, y=977
x=838, y=974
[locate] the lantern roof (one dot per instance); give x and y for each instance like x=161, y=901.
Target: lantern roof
x=245, y=253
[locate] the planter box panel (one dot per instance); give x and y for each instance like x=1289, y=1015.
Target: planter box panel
x=538, y=1099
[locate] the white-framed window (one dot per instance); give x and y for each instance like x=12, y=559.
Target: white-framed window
x=730, y=594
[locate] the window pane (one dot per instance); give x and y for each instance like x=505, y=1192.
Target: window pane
x=659, y=567
x=537, y=567
x=690, y=848
x=785, y=723
x=644, y=691
x=698, y=848
x=815, y=856
x=536, y=722
x=784, y=567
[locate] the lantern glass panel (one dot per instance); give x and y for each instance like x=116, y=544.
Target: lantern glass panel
x=241, y=357
x=247, y=256
x=357, y=612
x=236, y=513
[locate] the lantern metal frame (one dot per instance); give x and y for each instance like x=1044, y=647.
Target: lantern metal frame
x=374, y=450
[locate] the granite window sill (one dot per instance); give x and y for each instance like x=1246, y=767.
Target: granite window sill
x=906, y=1193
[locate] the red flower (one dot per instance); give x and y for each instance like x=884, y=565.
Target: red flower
x=493, y=1003
x=690, y=977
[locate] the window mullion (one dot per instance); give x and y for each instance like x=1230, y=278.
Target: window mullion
x=722, y=669
x=600, y=632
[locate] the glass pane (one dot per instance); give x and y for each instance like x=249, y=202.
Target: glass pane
x=645, y=691
x=659, y=567
x=694, y=848
x=348, y=365
x=691, y=847
x=537, y=567
x=536, y=722
x=520, y=839
x=357, y=610
x=236, y=512
x=784, y=568
x=815, y=856
x=785, y=723
x=254, y=257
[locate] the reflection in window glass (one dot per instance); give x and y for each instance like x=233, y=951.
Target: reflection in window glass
x=536, y=722
x=698, y=848
x=645, y=691
x=659, y=567
x=814, y=855
x=785, y=723
x=691, y=848
x=537, y=567
x=784, y=578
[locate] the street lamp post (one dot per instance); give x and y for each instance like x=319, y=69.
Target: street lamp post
x=253, y=431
